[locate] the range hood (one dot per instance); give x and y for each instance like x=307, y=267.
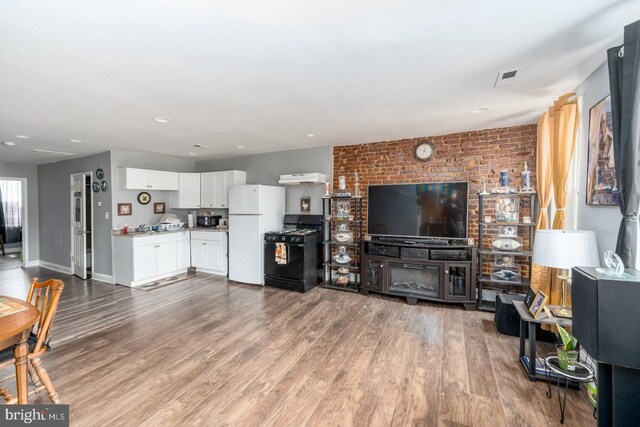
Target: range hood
x=303, y=178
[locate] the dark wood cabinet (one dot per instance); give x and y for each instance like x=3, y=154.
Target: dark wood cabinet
x=415, y=274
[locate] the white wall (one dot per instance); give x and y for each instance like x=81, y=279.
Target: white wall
x=604, y=220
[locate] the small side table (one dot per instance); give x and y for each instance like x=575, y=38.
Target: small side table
x=527, y=321
x=582, y=374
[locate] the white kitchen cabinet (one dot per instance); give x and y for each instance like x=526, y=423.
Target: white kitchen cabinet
x=215, y=187
x=209, y=251
x=146, y=179
x=188, y=194
x=144, y=259
x=183, y=251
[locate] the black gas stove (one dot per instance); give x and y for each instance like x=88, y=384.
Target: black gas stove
x=293, y=256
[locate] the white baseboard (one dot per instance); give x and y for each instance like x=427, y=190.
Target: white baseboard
x=103, y=278
x=34, y=263
x=55, y=267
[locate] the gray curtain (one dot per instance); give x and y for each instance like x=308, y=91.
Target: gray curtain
x=624, y=79
x=11, y=211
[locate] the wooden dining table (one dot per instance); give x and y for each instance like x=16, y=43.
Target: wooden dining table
x=15, y=329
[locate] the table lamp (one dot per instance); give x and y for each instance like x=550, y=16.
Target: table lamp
x=565, y=249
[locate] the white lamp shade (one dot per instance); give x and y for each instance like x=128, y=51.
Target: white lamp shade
x=566, y=249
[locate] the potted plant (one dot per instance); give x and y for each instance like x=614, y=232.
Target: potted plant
x=567, y=353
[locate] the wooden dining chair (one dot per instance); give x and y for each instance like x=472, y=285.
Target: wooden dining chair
x=45, y=297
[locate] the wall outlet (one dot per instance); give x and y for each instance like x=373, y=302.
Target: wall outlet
x=106, y=215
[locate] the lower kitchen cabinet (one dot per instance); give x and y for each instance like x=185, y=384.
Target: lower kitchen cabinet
x=183, y=251
x=143, y=259
x=209, y=251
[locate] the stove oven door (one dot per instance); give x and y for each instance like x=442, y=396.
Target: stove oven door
x=293, y=269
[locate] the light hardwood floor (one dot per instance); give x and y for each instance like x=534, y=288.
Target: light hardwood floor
x=211, y=352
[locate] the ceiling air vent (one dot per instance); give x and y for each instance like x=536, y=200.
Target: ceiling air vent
x=51, y=153
x=507, y=78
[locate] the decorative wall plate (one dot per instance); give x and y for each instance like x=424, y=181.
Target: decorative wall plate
x=95, y=187
x=144, y=198
x=104, y=185
x=99, y=173
x=506, y=244
x=343, y=237
x=342, y=258
x=507, y=231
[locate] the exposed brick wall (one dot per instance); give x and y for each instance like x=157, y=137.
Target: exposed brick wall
x=462, y=156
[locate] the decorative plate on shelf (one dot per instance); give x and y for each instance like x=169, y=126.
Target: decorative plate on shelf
x=96, y=187
x=343, y=237
x=507, y=231
x=506, y=244
x=342, y=258
x=144, y=198
x=343, y=270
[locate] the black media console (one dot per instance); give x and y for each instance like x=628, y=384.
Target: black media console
x=436, y=270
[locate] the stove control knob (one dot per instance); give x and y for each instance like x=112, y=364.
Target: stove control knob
x=297, y=239
x=284, y=239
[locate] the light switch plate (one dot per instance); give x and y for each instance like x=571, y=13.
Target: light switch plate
x=106, y=215
x=99, y=204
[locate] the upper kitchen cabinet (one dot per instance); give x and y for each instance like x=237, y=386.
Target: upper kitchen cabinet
x=215, y=187
x=145, y=179
x=188, y=194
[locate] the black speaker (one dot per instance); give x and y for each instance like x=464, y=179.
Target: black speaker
x=449, y=254
x=390, y=251
x=416, y=253
x=606, y=315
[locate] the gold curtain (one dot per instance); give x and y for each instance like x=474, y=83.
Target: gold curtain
x=539, y=276
x=560, y=126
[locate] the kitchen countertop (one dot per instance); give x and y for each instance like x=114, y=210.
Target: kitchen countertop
x=162, y=232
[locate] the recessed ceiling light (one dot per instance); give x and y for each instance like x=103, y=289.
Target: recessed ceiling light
x=161, y=119
x=479, y=110
x=241, y=147
x=22, y=136
x=311, y=135
x=75, y=140
x=9, y=143
x=191, y=154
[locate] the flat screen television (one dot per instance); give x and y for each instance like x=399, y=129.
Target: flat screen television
x=437, y=210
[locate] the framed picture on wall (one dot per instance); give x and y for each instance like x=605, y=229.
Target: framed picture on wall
x=305, y=204
x=124, y=209
x=602, y=188
x=158, y=208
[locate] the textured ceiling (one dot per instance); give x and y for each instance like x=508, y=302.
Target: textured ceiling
x=264, y=74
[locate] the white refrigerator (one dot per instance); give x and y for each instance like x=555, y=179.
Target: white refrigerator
x=253, y=210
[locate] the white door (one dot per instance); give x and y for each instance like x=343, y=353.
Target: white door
x=183, y=254
x=207, y=189
x=198, y=253
x=78, y=225
x=165, y=258
x=220, y=190
x=246, y=249
x=144, y=262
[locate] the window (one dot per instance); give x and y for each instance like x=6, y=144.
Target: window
x=11, y=210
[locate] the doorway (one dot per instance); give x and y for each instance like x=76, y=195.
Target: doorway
x=82, y=225
x=13, y=223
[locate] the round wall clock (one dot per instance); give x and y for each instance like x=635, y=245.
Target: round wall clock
x=424, y=151
x=144, y=198
x=99, y=173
